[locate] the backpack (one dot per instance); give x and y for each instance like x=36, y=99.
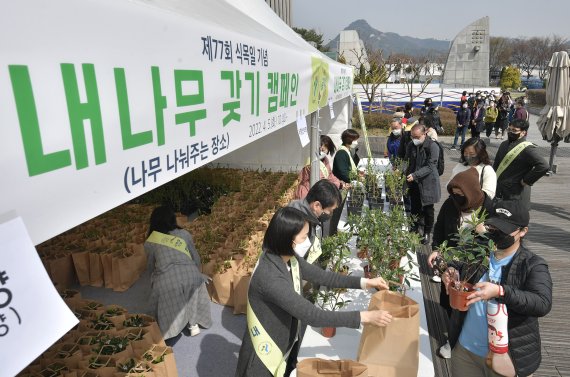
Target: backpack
x=441, y=158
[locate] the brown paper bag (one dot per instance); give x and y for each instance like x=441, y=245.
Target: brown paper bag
x=107, y=263
x=127, y=267
x=164, y=368
x=147, y=323
x=314, y=367
x=240, y=287
x=392, y=351
x=81, y=264
x=61, y=270
x=220, y=289
x=95, y=269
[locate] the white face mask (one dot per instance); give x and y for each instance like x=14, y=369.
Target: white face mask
x=397, y=132
x=417, y=142
x=354, y=144
x=302, y=248
x=322, y=155
x=465, y=106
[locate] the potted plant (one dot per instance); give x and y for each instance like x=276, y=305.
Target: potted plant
x=373, y=188
x=394, y=181
x=471, y=253
x=357, y=194
x=330, y=300
x=335, y=251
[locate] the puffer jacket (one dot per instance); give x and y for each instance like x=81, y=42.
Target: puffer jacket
x=528, y=296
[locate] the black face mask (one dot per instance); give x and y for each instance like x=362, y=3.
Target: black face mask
x=501, y=240
x=513, y=136
x=324, y=217
x=459, y=200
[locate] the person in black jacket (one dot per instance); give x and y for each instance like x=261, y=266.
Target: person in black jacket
x=465, y=196
x=514, y=179
x=422, y=177
x=478, y=121
x=516, y=277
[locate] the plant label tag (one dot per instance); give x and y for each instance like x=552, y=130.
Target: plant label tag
x=331, y=108
x=32, y=314
x=303, y=131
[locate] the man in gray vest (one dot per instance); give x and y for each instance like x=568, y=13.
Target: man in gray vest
x=518, y=164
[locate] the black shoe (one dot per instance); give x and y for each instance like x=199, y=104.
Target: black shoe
x=425, y=239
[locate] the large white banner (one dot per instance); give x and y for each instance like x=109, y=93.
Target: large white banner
x=101, y=101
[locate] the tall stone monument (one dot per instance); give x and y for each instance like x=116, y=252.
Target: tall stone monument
x=468, y=59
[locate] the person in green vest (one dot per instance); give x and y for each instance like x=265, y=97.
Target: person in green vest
x=518, y=164
x=178, y=297
x=276, y=307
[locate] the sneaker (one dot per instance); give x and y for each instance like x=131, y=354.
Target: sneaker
x=436, y=279
x=194, y=330
x=445, y=351
x=453, y=148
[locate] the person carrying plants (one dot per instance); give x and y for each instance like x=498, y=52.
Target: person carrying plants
x=515, y=277
x=319, y=204
x=178, y=293
x=276, y=307
x=465, y=196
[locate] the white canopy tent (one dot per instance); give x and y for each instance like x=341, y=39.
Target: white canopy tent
x=105, y=100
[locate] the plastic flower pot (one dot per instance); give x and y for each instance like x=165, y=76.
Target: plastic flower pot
x=458, y=297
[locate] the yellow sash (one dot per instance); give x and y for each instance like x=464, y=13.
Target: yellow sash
x=265, y=348
x=315, y=251
x=169, y=240
x=352, y=165
x=324, y=170
x=513, y=153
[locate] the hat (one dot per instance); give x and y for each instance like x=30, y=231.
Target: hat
x=508, y=216
x=468, y=182
x=399, y=114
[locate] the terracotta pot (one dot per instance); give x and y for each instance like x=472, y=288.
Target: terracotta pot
x=328, y=332
x=362, y=254
x=367, y=273
x=458, y=299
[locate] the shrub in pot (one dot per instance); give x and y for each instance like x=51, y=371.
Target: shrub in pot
x=330, y=300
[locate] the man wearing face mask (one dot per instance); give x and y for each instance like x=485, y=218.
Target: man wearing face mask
x=321, y=200
x=518, y=164
x=515, y=277
x=393, y=141
x=463, y=118
x=422, y=176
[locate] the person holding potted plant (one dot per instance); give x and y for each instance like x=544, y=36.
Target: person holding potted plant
x=276, y=306
x=515, y=277
x=465, y=197
x=178, y=292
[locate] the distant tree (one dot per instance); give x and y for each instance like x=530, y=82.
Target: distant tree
x=547, y=47
x=501, y=50
x=510, y=78
x=311, y=35
x=526, y=54
x=370, y=71
x=416, y=70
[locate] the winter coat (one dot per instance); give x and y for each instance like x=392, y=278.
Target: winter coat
x=463, y=117
x=528, y=166
x=478, y=123
x=278, y=307
x=491, y=114
x=305, y=179
x=521, y=113
x=342, y=166
x=392, y=145
x=528, y=295
x=422, y=164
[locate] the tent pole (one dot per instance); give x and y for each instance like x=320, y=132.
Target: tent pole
x=553, y=148
x=314, y=147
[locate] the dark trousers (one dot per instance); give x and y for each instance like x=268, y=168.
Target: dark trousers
x=489, y=128
x=421, y=212
x=335, y=218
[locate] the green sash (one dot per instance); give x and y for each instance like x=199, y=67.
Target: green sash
x=169, y=240
x=315, y=251
x=352, y=165
x=265, y=348
x=513, y=153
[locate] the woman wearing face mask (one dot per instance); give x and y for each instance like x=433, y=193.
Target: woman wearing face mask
x=325, y=157
x=515, y=277
x=425, y=108
x=478, y=121
x=276, y=305
x=465, y=196
x=490, y=118
x=462, y=119
x=346, y=159
x=474, y=154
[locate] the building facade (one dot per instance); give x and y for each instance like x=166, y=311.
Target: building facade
x=282, y=8
x=468, y=59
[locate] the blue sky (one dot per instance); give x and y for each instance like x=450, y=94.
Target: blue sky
x=441, y=19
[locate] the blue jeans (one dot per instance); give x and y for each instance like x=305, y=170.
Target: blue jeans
x=460, y=131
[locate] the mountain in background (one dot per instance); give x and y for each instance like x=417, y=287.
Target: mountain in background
x=392, y=43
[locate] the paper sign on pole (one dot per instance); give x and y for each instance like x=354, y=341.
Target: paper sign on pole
x=331, y=108
x=32, y=314
x=303, y=131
